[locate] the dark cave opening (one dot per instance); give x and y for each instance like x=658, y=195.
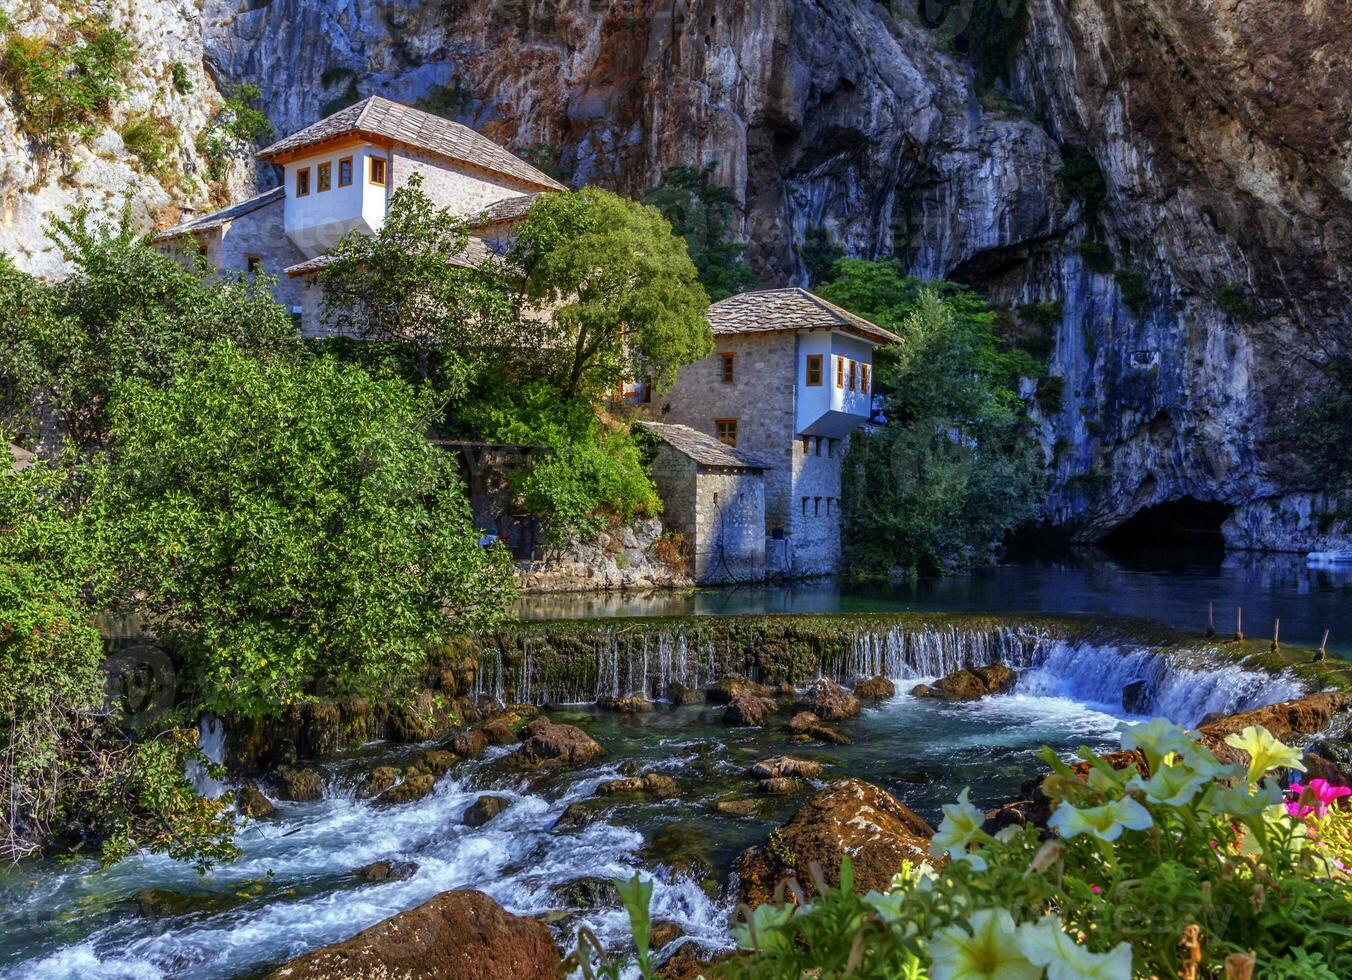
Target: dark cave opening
x=1186, y=523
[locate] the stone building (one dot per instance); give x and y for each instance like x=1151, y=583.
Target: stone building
x=714, y=495
x=790, y=378
x=338, y=176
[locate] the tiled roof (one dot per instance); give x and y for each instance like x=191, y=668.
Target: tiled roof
x=471, y=258
x=789, y=309
x=19, y=458
x=506, y=210
x=376, y=116
x=705, y=449
x=216, y=219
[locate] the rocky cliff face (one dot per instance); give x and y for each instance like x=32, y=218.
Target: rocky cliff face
x=1187, y=331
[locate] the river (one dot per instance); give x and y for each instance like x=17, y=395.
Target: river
x=293, y=889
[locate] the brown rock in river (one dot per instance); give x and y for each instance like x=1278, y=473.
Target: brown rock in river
x=1287, y=721
x=875, y=689
x=484, y=809
x=802, y=722
x=458, y=935
x=300, y=785
x=785, y=765
x=654, y=783
x=828, y=701
x=251, y=802
x=438, y=761
x=876, y=829
x=548, y=744
x=498, y=732
x=468, y=745
x=779, y=786
x=381, y=871
x=413, y=788
x=748, y=710
x=969, y=685
x=376, y=782
x=731, y=688
x=631, y=704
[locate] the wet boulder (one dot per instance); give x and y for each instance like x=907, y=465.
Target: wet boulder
x=438, y=761
x=1287, y=721
x=458, y=935
x=737, y=808
x=664, y=932
x=785, y=765
x=730, y=689
x=678, y=694
x=631, y=704
x=425, y=717
x=681, y=847
x=414, y=787
x=251, y=802
x=852, y=817
x=828, y=701
x=588, y=893
x=547, y=744
x=874, y=689
x=299, y=785
x=748, y=710
x=376, y=782
x=652, y=783
x=779, y=786
x=498, y=732
x=378, y=872
x=484, y=809
x=968, y=685
x=803, y=722
x=468, y=745
x=1137, y=698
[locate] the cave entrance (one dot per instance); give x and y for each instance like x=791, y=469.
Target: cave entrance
x=1186, y=523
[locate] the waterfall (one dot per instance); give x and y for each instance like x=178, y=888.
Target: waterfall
x=572, y=665
x=211, y=740
x=1097, y=674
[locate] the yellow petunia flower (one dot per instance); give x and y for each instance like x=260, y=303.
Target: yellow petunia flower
x=1265, y=751
x=990, y=951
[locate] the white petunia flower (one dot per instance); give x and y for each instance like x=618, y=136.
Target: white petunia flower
x=1170, y=785
x=960, y=826
x=1157, y=738
x=989, y=952
x=1046, y=944
x=1104, y=822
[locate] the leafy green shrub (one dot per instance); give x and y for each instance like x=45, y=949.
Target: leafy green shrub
x=179, y=78
x=545, y=157
x=701, y=212
x=1233, y=300
x=820, y=255
x=1083, y=178
x=125, y=311
x=1135, y=293
x=1051, y=393
x=448, y=101
x=66, y=87
x=237, y=126
x=592, y=475
x=285, y=522
x=152, y=140
x=954, y=469
x=1097, y=256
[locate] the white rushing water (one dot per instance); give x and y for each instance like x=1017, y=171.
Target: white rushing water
x=305, y=900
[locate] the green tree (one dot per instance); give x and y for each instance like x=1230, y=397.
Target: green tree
x=71, y=763
x=420, y=281
x=592, y=474
x=235, y=129
x=953, y=469
x=702, y=212
x=282, y=522
x=125, y=312
x=623, y=296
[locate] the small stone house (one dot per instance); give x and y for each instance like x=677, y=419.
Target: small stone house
x=338, y=176
x=714, y=495
x=791, y=377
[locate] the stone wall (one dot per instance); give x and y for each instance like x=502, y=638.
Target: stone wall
x=618, y=559
x=814, y=548
x=457, y=188
x=730, y=516
x=263, y=233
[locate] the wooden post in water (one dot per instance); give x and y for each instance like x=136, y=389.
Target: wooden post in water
x=1210, y=620
x=1276, y=635
x=1323, y=648
x=1239, y=623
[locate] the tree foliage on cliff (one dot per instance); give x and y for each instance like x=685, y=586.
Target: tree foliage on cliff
x=622, y=296
x=954, y=469
x=285, y=523
x=702, y=212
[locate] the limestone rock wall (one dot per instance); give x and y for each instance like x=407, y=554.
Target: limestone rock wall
x=1223, y=133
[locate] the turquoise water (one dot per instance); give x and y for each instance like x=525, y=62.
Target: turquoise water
x=1170, y=588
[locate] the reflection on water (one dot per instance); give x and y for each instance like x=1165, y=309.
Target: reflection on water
x=1173, y=588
